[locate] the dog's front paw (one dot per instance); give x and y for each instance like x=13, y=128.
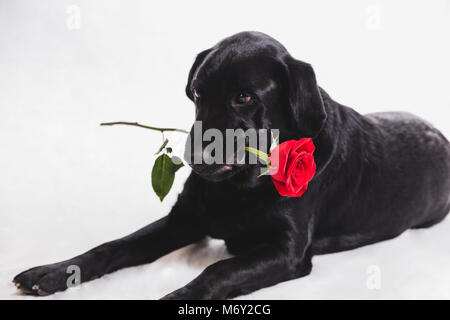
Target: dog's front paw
x=180, y=294
x=191, y=292
x=43, y=280
x=184, y=293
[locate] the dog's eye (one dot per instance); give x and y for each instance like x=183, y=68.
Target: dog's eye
x=241, y=99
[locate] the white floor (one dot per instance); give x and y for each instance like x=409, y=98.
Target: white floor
x=67, y=184
x=415, y=265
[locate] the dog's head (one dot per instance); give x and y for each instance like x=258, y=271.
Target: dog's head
x=249, y=81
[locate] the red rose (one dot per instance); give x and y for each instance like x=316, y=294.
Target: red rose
x=292, y=166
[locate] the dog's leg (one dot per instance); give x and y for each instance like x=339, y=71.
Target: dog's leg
x=143, y=246
x=262, y=267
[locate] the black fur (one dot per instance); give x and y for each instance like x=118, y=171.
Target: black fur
x=377, y=176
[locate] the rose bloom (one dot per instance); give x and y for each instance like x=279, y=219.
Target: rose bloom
x=292, y=166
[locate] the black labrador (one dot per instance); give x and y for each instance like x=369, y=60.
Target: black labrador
x=377, y=176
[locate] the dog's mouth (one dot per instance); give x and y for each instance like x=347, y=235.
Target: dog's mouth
x=218, y=173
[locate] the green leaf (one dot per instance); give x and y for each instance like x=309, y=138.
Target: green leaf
x=163, y=174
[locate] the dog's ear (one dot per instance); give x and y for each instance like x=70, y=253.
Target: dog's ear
x=304, y=98
x=198, y=61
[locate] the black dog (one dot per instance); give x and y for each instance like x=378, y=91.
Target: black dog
x=377, y=176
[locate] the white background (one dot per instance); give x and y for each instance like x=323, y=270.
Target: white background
x=67, y=184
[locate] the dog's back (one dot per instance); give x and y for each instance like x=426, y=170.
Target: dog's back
x=393, y=175
x=417, y=148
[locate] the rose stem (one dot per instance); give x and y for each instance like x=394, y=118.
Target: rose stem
x=142, y=126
